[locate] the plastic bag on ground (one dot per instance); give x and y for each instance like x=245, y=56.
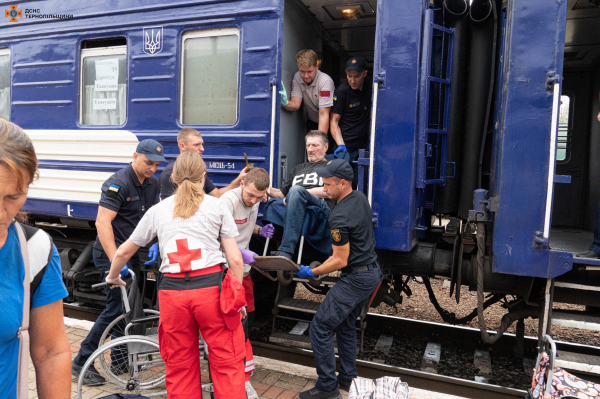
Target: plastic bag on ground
x=381, y=388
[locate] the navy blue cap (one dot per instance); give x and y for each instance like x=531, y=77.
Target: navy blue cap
x=152, y=149
x=357, y=64
x=338, y=168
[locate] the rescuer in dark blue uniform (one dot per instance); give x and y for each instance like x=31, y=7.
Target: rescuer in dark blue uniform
x=351, y=113
x=353, y=242
x=125, y=198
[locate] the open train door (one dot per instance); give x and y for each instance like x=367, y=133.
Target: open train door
x=409, y=129
x=391, y=180
x=525, y=138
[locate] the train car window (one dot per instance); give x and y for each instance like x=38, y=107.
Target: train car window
x=5, y=84
x=103, y=96
x=563, y=143
x=209, y=81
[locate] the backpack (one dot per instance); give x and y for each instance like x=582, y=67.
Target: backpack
x=39, y=249
x=36, y=250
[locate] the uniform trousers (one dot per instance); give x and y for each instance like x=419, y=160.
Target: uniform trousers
x=182, y=314
x=249, y=291
x=338, y=313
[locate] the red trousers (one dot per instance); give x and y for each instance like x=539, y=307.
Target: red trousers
x=249, y=291
x=184, y=313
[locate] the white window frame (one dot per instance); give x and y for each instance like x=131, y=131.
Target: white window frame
x=208, y=33
x=95, y=52
x=6, y=51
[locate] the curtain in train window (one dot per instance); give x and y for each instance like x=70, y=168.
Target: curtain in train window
x=210, y=77
x=5, y=84
x=104, y=86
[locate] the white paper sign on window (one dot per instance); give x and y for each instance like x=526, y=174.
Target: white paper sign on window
x=107, y=75
x=105, y=103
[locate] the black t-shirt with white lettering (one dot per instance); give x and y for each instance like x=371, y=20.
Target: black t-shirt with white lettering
x=167, y=187
x=304, y=175
x=351, y=222
x=354, y=106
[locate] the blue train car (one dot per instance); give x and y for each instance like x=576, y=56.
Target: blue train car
x=479, y=108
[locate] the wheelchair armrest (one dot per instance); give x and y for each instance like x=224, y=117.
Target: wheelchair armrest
x=145, y=319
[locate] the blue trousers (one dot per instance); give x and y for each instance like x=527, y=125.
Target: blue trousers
x=296, y=201
x=112, y=309
x=338, y=313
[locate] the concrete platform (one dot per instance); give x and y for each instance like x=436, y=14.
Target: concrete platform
x=272, y=379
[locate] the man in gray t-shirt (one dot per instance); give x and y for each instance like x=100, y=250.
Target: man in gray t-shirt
x=313, y=87
x=243, y=203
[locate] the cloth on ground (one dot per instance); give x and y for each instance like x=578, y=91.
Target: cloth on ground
x=315, y=228
x=381, y=388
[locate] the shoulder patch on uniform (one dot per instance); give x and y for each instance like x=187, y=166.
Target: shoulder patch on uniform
x=335, y=235
x=334, y=98
x=113, y=191
x=325, y=93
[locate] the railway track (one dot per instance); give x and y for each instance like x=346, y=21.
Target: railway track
x=384, y=324
x=414, y=378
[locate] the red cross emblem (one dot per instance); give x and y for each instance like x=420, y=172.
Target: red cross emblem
x=184, y=256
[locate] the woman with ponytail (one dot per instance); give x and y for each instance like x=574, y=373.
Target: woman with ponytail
x=196, y=293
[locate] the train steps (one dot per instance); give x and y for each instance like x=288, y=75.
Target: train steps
x=581, y=320
x=302, y=312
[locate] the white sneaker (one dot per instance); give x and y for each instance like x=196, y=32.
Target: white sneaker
x=250, y=392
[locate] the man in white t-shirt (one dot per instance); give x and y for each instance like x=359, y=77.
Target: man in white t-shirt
x=243, y=203
x=312, y=87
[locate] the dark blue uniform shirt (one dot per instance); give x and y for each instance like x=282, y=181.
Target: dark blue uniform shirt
x=124, y=194
x=354, y=106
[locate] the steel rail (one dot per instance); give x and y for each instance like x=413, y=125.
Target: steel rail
x=414, y=378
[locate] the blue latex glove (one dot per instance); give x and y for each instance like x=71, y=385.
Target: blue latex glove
x=152, y=254
x=305, y=272
x=124, y=271
x=247, y=255
x=340, y=148
x=284, y=99
x=267, y=231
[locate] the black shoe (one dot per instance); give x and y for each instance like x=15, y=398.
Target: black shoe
x=91, y=378
x=119, y=368
x=315, y=393
x=344, y=385
x=282, y=253
x=588, y=254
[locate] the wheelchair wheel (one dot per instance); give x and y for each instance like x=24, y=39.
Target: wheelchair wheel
x=116, y=329
x=139, y=370
x=285, y=277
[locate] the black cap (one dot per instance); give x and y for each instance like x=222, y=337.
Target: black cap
x=338, y=168
x=357, y=64
x=152, y=149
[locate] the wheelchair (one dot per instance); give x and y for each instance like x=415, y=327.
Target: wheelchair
x=128, y=355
